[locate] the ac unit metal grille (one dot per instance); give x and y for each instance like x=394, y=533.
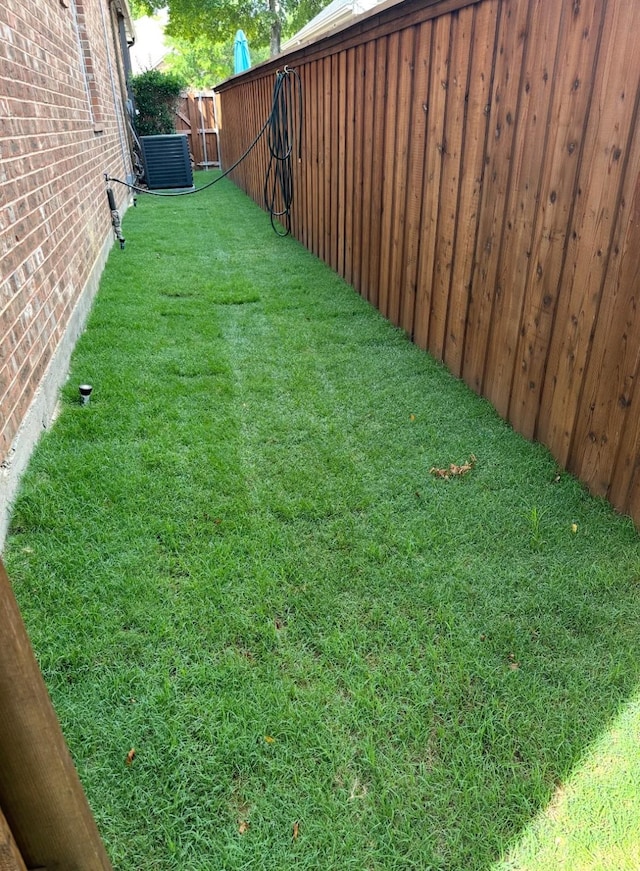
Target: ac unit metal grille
x=166, y=161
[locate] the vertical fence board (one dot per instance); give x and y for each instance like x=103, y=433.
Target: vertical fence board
x=367, y=167
x=327, y=159
x=320, y=165
x=456, y=94
x=482, y=48
x=350, y=128
x=262, y=108
x=315, y=165
x=401, y=159
x=379, y=134
x=532, y=125
x=413, y=201
x=211, y=136
x=250, y=166
x=335, y=166
x=436, y=109
x=196, y=124
x=243, y=169
x=358, y=169
x=309, y=153
x=341, y=168
x=388, y=171
x=513, y=28
x=200, y=105
x=311, y=160
x=297, y=217
x=256, y=118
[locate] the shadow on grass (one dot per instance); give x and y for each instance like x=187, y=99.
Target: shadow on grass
x=237, y=560
x=593, y=818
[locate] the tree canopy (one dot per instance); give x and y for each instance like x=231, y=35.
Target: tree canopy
x=203, y=64
x=216, y=21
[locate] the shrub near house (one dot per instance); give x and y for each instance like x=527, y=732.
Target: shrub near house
x=156, y=95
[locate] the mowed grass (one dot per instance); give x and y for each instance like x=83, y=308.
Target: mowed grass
x=235, y=560
x=593, y=819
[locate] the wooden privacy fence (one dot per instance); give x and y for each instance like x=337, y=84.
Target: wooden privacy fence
x=472, y=167
x=197, y=116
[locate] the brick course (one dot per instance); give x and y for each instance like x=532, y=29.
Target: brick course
x=61, y=127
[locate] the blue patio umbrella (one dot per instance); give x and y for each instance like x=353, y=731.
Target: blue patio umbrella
x=241, y=58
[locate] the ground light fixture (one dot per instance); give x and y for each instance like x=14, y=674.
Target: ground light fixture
x=85, y=393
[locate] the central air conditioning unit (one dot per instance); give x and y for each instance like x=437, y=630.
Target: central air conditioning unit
x=167, y=163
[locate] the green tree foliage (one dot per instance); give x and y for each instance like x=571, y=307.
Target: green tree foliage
x=137, y=8
x=156, y=95
x=216, y=21
x=203, y=64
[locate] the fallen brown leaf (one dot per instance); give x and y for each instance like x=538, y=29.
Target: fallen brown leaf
x=243, y=827
x=131, y=756
x=454, y=471
x=296, y=830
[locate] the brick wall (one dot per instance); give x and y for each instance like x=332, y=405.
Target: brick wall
x=61, y=127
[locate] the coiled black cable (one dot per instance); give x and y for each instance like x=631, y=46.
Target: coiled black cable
x=280, y=124
x=279, y=178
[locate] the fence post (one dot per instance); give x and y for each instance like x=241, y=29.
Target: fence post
x=10, y=858
x=40, y=792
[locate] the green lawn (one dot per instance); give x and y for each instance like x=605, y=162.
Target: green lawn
x=235, y=560
x=593, y=819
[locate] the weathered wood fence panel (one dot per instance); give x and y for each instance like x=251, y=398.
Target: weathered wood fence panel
x=197, y=117
x=472, y=167
x=45, y=820
x=10, y=858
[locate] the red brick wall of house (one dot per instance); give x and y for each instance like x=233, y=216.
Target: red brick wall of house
x=62, y=126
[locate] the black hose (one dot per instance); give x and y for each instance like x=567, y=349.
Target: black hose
x=279, y=177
